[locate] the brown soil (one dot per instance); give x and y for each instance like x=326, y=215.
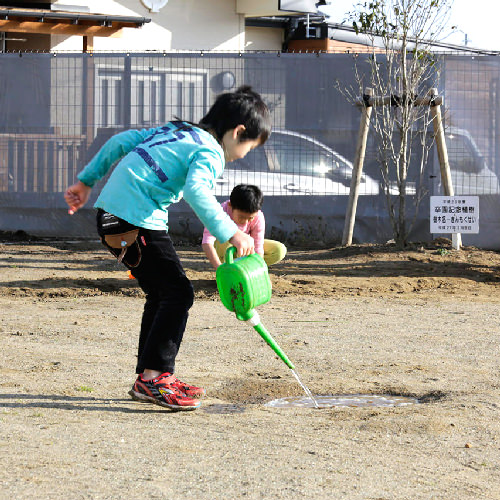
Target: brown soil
x=431, y=270
x=369, y=319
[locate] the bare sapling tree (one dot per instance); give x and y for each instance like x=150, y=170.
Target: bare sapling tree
x=403, y=67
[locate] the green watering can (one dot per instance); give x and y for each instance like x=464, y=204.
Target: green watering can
x=243, y=285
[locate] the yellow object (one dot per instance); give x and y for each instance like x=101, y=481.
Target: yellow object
x=274, y=251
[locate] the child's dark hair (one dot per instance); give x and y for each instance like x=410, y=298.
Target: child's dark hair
x=246, y=198
x=241, y=107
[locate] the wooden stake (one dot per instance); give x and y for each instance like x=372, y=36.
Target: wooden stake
x=357, y=170
x=444, y=165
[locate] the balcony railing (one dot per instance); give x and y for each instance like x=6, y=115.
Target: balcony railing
x=39, y=163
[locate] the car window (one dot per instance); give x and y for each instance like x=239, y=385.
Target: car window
x=461, y=154
x=254, y=161
x=296, y=155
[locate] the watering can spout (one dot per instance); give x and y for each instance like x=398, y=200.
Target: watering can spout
x=261, y=330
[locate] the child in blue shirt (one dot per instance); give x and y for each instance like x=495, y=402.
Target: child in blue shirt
x=158, y=167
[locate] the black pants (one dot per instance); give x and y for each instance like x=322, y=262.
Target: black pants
x=169, y=296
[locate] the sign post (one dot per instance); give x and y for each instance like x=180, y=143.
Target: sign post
x=455, y=215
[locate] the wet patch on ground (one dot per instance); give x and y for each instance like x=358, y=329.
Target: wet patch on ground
x=223, y=409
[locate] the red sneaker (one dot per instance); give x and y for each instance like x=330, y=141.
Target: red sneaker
x=189, y=390
x=160, y=391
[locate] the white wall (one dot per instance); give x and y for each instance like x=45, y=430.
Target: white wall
x=259, y=8
x=180, y=25
x=263, y=38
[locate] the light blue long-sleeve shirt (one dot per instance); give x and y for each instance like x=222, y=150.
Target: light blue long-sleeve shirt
x=158, y=167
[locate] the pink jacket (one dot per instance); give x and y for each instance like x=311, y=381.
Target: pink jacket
x=255, y=228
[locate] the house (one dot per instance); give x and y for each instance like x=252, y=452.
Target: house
x=39, y=26
x=165, y=25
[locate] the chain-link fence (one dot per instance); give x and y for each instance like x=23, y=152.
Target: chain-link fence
x=59, y=109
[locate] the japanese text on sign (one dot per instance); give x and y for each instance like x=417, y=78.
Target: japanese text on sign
x=454, y=214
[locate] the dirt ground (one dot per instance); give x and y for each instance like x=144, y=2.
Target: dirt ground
x=364, y=320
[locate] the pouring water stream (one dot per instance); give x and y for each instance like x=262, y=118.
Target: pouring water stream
x=306, y=389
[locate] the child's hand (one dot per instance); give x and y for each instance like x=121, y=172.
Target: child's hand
x=76, y=196
x=243, y=243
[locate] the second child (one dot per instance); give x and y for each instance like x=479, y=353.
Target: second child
x=244, y=208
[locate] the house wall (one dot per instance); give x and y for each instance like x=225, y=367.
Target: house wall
x=259, y=7
x=180, y=25
x=263, y=38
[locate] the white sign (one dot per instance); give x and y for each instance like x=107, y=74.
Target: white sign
x=454, y=214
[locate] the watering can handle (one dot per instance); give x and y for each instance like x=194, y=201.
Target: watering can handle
x=230, y=253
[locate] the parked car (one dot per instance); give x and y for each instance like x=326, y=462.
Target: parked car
x=290, y=163
x=470, y=174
